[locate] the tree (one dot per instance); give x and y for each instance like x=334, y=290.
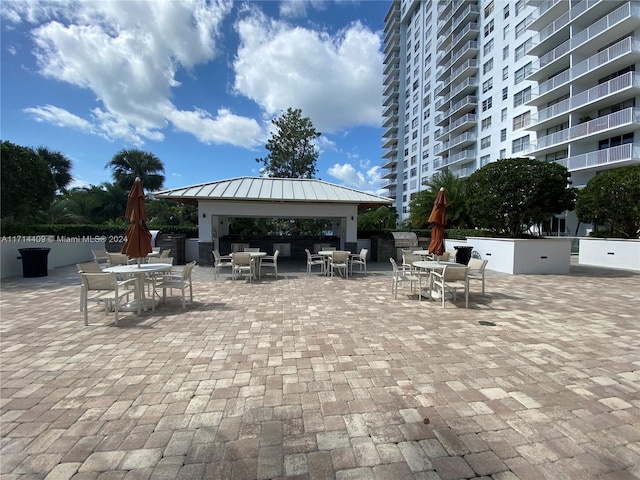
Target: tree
x=293, y=152
x=378, y=218
x=27, y=185
x=512, y=195
x=129, y=164
x=612, y=199
x=59, y=165
x=422, y=204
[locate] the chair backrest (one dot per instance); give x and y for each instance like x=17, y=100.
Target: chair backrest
x=241, y=258
x=308, y=254
x=160, y=260
x=99, y=281
x=165, y=253
x=444, y=257
x=454, y=273
x=340, y=256
x=477, y=265
x=275, y=255
x=118, y=259
x=409, y=258
x=251, y=249
x=186, y=272
x=363, y=254
x=216, y=257
x=394, y=265
x=89, y=267
x=100, y=254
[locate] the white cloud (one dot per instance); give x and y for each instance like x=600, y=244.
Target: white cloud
x=368, y=180
x=336, y=81
x=128, y=55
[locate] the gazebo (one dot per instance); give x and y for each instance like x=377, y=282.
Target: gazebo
x=267, y=197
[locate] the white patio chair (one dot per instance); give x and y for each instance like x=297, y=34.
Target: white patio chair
x=219, y=262
x=251, y=249
x=476, y=270
x=314, y=259
x=150, y=279
x=117, y=259
x=104, y=287
x=339, y=260
x=452, y=279
x=242, y=263
x=86, y=267
x=359, y=259
x=179, y=281
x=270, y=262
x=402, y=275
x=101, y=256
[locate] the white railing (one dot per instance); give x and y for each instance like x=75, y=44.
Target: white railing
x=629, y=79
x=465, y=137
x=605, y=23
x=606, y=122
x=463, y=155
x=469, y=117
x=602, y=157
x=623, y=47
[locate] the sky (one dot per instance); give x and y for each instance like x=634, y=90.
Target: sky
x=194, y=82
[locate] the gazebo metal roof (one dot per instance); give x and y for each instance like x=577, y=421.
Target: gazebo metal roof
x=272, y=190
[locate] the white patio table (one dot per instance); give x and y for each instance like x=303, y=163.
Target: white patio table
x=139, y=271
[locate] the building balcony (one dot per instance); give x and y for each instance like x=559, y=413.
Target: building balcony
x=390, y=163
x=458, y=126
x=391, y=119
x=392, y=130
x=467, y=69
x=391, y=90
x=467, y=138
x=546, y=12
x=457, y=158
x=617, y=123
x=461, y=107
x=390, y=185
x=614, y=157
x=607, y=61
x=611, y=92
x=391, y=99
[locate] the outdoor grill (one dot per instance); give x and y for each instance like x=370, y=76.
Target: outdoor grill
x=404, y=240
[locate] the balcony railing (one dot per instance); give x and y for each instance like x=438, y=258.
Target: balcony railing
x=469, y=117
x=606, y=122
x=605, y=23
x=464, y=155
x=465, y=137
x=602, y=157
x=629, y=79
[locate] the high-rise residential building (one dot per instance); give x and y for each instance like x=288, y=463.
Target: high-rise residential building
x=467, y=82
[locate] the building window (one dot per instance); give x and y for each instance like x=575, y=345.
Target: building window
x=503, y=153
x=519, y=144
x=554, y=157
x=521, y=121
x=521, y=27
x=505, y=73
x=505, y=12
x=522, y=73
x=485, y=142
x=488, y=47
x=485, y=123
x=505, y=93
x=522, y=97
x=505, y=53
x=488, y=85
x=414, y=172
x=488, y=10
x=487, y=104
x=484, y=160
x=520, y=4
x=522, y=50
x=503, y=134
x=488, y=28
x=615, y=141
x=503, y=115
x=488, y=66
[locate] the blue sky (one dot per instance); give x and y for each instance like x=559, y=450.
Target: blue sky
x=194, y=82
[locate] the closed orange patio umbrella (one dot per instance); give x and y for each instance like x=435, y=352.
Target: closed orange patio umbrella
x=138, y=236
x=438, y=220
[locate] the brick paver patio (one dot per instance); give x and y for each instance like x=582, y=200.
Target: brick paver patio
x=316, y=378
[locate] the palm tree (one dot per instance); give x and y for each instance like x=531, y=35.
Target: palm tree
x=421, y=206
x=129, y=164
x=59, y=165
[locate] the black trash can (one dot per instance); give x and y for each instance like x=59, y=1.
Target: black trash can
x=34, y=261
x=463, y=254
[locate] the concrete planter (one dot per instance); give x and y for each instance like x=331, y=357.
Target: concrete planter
x=610, y=252
x=522, y=256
